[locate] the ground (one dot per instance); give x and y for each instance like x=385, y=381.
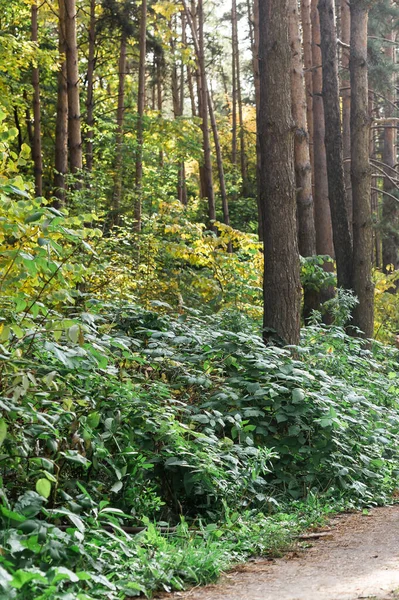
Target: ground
x=357, y=557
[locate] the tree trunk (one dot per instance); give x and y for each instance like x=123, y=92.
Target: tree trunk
x=61, y=127
x=281, y=287
x=74, y=125
x=117, y=197
x=346, y=104
x=324, y=240
x=234, y=45
x=308, y=63
x=207, y=182
x=390, y=213
x=219, y=160
x=243, y=158
x=255, y=66
x=90, y=80
x=333, y=144
x=363, y=316
x=303, y=171
x=37, y=139
x=140, y=116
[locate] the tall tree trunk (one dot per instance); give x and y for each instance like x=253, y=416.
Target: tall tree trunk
x=241, y=136
x=120, y=113
x=61, y=127
x=219, y=160
x=203, y=95
x=160, y=98
x=74, y=124
x=308, y=63
x=37, y=138
x=140, y=116
x=390, y=212
x=255, y=67
x=363, y=316
x=346, y=104
x=324, y=239
x=281, y=287
x=90, y=81
x=333, y=144
x=303, y=171
x=178, y=106
x=234, y=45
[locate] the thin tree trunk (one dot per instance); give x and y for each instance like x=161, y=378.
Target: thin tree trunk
x=37, y=138
x=243, y=158
x=90, y=81
x=255, y=63
x=324, y=239
x=333, y=144
x=281, y=287
x=308, y=63
x=140, y=116
x=74, y=118
x=219, y=160
x=303, y=171
x=61, y=127
x=363, y=315
x=160, y=99
x=346, y=104
x=117, y=197
x=390, y=212
x=207, y=166
x=234, y=82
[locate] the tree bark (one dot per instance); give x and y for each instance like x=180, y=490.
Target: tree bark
x=363, y=315
x=90, y=81
x=61, y=127
x=333, y=144
x=324, y=239
x=37, y=138
x=303, y=170
x=390, y=212
x=346, y=104
x=207, y=178
x=140, y=116
x=234, y=45
x=308, y=63
x=74, y=124
x=219, y=160
x=120, y=113
x=281, y=287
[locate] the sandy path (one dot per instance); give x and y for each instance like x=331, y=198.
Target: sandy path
x=359, y=560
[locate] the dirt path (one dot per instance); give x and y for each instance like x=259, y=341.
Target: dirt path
x=360, y=559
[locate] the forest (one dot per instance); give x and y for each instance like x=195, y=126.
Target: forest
x=199, y=277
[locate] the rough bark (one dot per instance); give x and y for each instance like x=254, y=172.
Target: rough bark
x=61, y=127
x=390, y=211
x=117, y=196
x=281, y=287
x=91, y=63
x=333, y=144
x=207, y=177
x=363, y=316
x=346, y=104
x=140, y=116
x=234, y=44
x=308, y=63
x=324, y=239
x=74, y=118
x=219, y=161
x=303, y=171
x=37, y=138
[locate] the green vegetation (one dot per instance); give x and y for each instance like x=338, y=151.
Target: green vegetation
x=118, y=416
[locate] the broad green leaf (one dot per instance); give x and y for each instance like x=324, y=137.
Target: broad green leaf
x=43, y=487
x=3, y=431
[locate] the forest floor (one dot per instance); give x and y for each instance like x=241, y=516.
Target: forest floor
x=356, y=557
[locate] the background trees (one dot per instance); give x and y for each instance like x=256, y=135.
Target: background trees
x=126, y=106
